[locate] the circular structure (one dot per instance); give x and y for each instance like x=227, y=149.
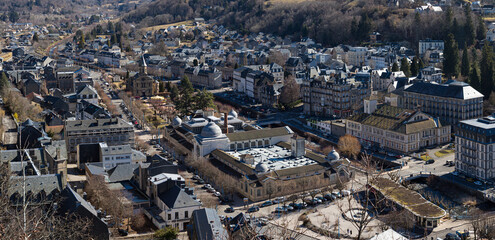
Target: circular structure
x=233, y=113
x=261, y=167
x=176, y=121
x=211, y=130
x=333, y=155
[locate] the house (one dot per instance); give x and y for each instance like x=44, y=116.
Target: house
x=206, y=225
x=203, y=76
x=86, y=110
x=294, y=65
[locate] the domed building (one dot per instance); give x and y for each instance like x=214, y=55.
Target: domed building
x=261, y=168
x=176, y=122
x=211, y=130
x=332, y=156
x=210, y=138
x=233, y=113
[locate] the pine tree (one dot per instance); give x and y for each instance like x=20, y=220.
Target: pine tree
x=421, y=65
x=465, y=63
x=404, y=67
x=481, y=30
x=395, y=67
x=474, y=77
x=35, y=37
x=414, y=67
x=354, y=29
x=469, y=28
x=364, y=27
x=486, y=70
x=451, y=57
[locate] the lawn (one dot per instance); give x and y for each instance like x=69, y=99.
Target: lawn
x=158, y=27
x=443, y=153
x=425, y=157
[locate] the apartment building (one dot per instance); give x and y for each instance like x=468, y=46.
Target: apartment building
x=450, y=102
x=428, y=44
x=475, y=148
x=113, y=131
x=204, y=76
x=396, y=129
x=336, y=95
x=356, y=56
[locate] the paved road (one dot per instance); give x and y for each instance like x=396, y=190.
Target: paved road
x=10, y=131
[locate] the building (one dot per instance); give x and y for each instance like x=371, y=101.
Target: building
x=356, y=56
x=428, y=44
x=66, y=79
x=113, y=131
x=204, y=76
x=450, y=102
x=206, y=225
x=475, y=148
x=108, y=156
x=337, y=95
x=141, y=84
x=397, y=130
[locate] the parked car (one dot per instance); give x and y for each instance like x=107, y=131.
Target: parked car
x=263, y=221
x=288, y=208
x=201, y=181
x=267, y=203
x=195, y=177
x=336, y=194
x=207, y=186
x=123, y=232
x=429, y=161
x=229, y=210
x=278, y=200
x=329, y=197
x=345, y=193
x=452, y=236
x=253, y=209
x=280, y=210
x=478, y=183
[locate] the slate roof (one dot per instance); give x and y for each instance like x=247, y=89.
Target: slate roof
x=35, y=184
x=122, y=172
x=257, y=134
x=96, y=124
x=452, y=89
x=176, y=197
x=207, y=225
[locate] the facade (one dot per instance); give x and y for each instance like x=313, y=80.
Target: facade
x=65, y=79
x=356, y=56
x=397, y=129
x=338, y=95
x=204, y=77
x=113, y=131
x=206, y=225
x=450, y=102
x=141, y=84
x=112, y=156
x=428, y=44
x=475, y=148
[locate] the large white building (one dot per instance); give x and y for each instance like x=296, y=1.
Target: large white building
x=428, y=44
x=475, y=148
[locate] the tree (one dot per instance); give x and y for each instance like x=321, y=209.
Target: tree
x=469, y=28
x=290, y=92
x=174, y=93
x=82, y=42
x=465, y=66
x=204, y=100
x=184, y=102
x=487, y=70
x=161, y=86
x=404, y=67
x=168, y=233
x=349, y=145
x=364, y=27
x=195, y=62
x=395, y=67
x=474, y=77
x=481, y=30
x=13, y=16
x=4, y=82
x=414, y=66
x=451, y=57
x=35, y=37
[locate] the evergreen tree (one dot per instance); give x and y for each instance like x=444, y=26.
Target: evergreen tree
x=451, y=57
x=174, y=93
x=481, y=30
x=486, y=70
x=469, y=28
x=82, y=43
x=168, y=86
x=204, y=99
x=161, y=86
x=354, y=29
x=418, y=31
x=395, y=67
x=404, y=67
x=465, y=63
x=421, y=65
x=474, y=77
x=364, y=27
x=4, y=82
x=184, y=103
x=35, y=37
x=458, y=32
x=414, y=66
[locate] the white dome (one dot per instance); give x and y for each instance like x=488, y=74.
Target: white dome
x=233, y=113
x=211, y=130
x=333, y=155
x=261, y=167
x=176, y=121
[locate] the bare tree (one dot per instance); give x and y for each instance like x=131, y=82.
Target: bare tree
x=349, y=146
x=290, y=92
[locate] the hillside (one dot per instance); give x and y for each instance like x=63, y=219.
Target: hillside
x=329, y=22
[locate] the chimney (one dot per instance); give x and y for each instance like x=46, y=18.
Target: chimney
x=58, y=154
x=226, y=122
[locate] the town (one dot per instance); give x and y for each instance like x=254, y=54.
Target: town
x=197, y=130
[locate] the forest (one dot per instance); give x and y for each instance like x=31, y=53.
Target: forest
x=329, y=22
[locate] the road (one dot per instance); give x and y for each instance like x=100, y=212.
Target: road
x=10, y=132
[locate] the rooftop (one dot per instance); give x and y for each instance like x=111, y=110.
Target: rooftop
x=452, y=89
x=257, y=134
x=94, y=124
x=275, y=157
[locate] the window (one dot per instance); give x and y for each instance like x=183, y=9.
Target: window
x=169, y=216
x=176, y=215
x=186, y=214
